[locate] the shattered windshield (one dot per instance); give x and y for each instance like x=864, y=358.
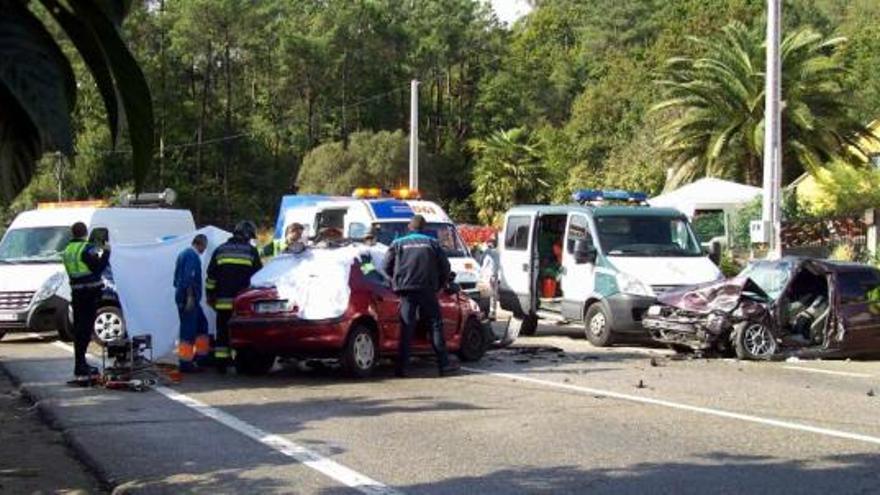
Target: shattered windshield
x=34, y=245
x=771, y=276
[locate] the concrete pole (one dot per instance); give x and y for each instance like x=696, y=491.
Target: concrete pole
x=770, y=214
x=414, y=135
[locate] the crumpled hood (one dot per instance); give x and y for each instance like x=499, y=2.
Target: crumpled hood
x=723, y=295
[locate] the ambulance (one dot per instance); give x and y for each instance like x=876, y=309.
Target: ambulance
x=34, y=288
x=600, y=261
x=386, y=213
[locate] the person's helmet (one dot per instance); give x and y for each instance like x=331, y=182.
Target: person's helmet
x=245, y=230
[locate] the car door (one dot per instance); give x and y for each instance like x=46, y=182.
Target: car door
x=518, y=267
x=450, y=314
x=387, y=306
x=577, y=278
x=859, y=309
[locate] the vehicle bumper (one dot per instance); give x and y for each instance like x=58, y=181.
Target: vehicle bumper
x=627, y=311
x=685, y=333
x=283, y=336
x=45, y=316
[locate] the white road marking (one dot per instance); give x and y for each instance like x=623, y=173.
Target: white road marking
x=309, y=458
x=684, y=407
x=828, y=372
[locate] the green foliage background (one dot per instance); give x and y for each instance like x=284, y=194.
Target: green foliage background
x=257, y=99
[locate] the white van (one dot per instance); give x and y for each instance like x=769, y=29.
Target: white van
x=34, y=289
x=598, y=264
x=388, y=217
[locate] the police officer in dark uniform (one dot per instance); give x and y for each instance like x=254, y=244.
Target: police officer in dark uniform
x=84, y=264
x=418, y=268
x=230, y=271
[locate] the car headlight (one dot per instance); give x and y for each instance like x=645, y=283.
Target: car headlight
x=627, y=284
x=50, y=287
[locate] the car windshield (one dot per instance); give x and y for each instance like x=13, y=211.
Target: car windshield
x=445, y=233
x=34, y=245
x=646, y=236
x=771, y=276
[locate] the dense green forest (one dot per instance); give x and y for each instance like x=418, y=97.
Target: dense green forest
x=255, y=99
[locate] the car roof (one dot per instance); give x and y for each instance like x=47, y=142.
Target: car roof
x=598, y=211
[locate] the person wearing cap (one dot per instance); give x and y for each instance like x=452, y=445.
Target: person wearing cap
x=293, y=239
x=418, y=268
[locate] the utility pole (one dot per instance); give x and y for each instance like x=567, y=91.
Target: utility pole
x=414, y=135
x=770, y=213
x=59, y=173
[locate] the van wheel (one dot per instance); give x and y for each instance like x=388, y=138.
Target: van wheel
x=529, y=325
x=597, y=325
x=753, y=341
x=109, y=324
x=473, y=341
x=361, y=352
x=253, y=363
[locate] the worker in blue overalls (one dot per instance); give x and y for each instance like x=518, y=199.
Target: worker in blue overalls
x=194, y=344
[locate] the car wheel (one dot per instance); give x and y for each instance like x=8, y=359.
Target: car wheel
x=109, y=324
x=529, y=325
x=753, y=341
x=473, y=341
x=253, y=363
x=361, y=352
x=65, y=327
x=598, y=326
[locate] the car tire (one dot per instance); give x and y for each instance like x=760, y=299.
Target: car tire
x=597, y=326
x=361, y=352
x=109, y=324
x=529, y=325
x=474, y=341
x=252, y=363
x=753, y=341
x=65, y=328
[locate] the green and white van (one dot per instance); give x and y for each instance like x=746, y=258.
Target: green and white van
x=595, y=263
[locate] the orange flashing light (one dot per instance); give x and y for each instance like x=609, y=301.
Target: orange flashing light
x=53, y=205
x=375, y=192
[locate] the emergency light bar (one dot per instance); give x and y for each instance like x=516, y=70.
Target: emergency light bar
x=375, y=192
x=582, y=196
x=54, y=205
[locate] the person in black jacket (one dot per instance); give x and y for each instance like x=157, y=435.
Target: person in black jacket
x=84, y=264
x=418, y=268
x=232, y=266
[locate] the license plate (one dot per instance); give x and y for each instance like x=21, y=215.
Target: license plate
x=655, y=310
x=265, y=307
x=8, y=316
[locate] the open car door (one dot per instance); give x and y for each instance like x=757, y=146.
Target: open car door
x=518, y=271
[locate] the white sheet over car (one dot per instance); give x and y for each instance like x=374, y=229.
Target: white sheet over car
x=316, y=280
x=144, y=278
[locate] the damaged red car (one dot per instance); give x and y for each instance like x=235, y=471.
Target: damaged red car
x=792, y=306
x=265, y=325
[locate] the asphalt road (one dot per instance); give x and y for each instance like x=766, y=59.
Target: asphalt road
x=550, y=415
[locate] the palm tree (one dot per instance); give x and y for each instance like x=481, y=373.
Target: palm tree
x=715, y=105
x=509, y=171
x=38, y=87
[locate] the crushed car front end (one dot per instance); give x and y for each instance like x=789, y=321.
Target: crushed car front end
x=680, y=327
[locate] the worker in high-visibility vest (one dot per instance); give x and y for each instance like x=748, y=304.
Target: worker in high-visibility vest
x=84, y=263
x=230, y=271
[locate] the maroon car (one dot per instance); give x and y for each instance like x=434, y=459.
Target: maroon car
x=264, y=326
x=800, y=306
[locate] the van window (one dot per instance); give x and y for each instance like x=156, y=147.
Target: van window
x=99, y=236
x=516, y=238
x=646, y=236
x=578, y=229
x=357, y=230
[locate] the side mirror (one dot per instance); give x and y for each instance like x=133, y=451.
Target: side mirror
x=715, y=252
x=584, y=252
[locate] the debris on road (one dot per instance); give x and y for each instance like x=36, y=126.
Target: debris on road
x=871, y=393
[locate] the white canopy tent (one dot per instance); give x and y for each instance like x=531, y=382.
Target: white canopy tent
x=709, y=194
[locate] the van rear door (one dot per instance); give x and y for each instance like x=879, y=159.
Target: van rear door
x=518, y=264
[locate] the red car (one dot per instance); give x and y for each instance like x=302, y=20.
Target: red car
x=264, y=327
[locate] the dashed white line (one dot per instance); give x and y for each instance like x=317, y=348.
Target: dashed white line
x=828, y=372
x=684, y=407
x=304, y=456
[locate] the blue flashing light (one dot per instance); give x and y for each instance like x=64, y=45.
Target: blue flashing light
x=594, y=195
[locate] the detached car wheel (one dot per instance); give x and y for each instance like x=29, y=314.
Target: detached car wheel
x=753, y=341
x=252, y=363
x=361, y=352
x=473, y=341
x=109, y=324
x=598, y=326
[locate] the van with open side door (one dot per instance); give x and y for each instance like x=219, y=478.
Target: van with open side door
x=596, y=263
x=34, y=289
